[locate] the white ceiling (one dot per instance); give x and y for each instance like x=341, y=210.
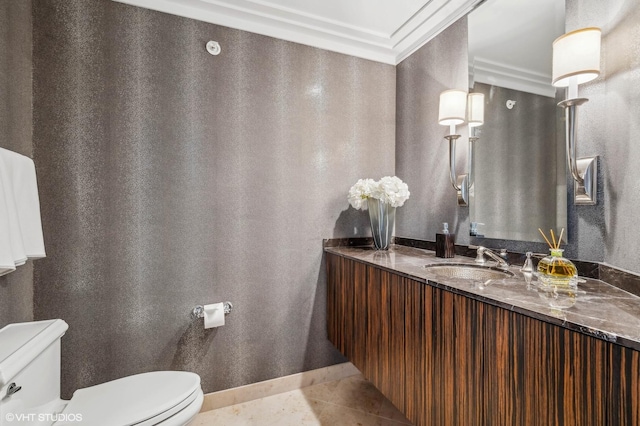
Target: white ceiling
x=380, y=30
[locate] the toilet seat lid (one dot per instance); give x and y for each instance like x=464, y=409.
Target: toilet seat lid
x=134, y=399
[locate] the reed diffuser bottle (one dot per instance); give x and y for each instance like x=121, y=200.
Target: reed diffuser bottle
x=555, y=270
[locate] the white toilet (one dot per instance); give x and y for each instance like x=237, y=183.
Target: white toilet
x=30, y=387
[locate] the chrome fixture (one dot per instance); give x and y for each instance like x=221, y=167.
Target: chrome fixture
x=455, y=107
x=576, y=60
x=461, y=182
x=501, y=258
x=473, y=228
x=198, y=311
x=527, y=270
x=452, y=110
x=13, y=388
x=473, y=137
x=475, y=118
x=528, y=264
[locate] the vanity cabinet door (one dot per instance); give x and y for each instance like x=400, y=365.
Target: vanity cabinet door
x=365, y=321
x=401, y=335
x=541, y=374
x=624, y=386
x=385, y=321
x=343, y=328
x=442, y=359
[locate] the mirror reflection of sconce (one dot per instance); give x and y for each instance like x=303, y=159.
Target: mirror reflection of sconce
x=455, y=107
x=475, y=118
x=474, y=229
x=576, y=60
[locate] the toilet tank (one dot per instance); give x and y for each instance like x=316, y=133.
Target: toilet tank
x=30, y=358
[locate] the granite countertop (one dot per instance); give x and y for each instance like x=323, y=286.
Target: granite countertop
x=600, y=310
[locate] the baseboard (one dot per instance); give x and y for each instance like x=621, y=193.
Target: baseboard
x=224, y=398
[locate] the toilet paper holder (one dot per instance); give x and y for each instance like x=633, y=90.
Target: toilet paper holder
x=198, y=311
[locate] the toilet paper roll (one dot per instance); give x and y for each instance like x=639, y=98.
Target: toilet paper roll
x=214, y=315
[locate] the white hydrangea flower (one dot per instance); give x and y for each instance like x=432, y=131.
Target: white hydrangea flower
x=390, y=190
x=359, y=193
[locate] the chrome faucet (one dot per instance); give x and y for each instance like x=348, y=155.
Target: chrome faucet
x=501, y=258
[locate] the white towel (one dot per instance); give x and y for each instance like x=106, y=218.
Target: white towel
x=13, y=238
x=7, y=264
x=25, y=191
x=18, y=177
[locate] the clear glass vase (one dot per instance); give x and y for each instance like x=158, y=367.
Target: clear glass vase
x=555, y=270
x=382, y=217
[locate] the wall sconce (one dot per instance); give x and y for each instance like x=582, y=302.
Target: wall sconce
x=453, y=106
x=576, y=60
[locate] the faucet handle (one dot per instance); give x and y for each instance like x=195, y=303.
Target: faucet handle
x=528, y=264
x=480, y=256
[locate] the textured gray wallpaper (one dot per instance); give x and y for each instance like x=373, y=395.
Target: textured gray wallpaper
x=16, y=288
x=422, y=153
x=170, y=178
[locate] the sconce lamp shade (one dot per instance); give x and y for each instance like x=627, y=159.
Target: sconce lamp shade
x=475, y=109
x=576, y=53
x=453, y=105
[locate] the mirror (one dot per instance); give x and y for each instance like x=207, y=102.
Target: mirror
x=518, y=181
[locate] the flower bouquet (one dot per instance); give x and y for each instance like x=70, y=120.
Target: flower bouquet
x=381, y=199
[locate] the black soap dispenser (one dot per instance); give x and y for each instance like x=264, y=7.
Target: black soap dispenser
x=445, y=243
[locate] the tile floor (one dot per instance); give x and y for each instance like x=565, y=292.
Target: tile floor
x=350, y=401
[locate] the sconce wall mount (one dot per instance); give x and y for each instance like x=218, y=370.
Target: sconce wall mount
x=576, y=60
x=461, y=182
x=583, y=170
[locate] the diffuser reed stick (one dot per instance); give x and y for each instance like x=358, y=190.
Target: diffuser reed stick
x=556, y=243
x=545, y=238
x=560, y=237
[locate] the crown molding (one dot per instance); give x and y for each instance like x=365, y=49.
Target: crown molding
x=267, y=18
x=499, y=74
x=433, y=18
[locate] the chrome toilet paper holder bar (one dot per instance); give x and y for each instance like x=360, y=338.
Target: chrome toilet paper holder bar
x=198, y=311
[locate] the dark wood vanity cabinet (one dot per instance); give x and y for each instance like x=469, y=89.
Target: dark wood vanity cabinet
x=447, y=359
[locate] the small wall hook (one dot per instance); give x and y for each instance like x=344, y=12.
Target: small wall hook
x=213, y=47
x=510, y=104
